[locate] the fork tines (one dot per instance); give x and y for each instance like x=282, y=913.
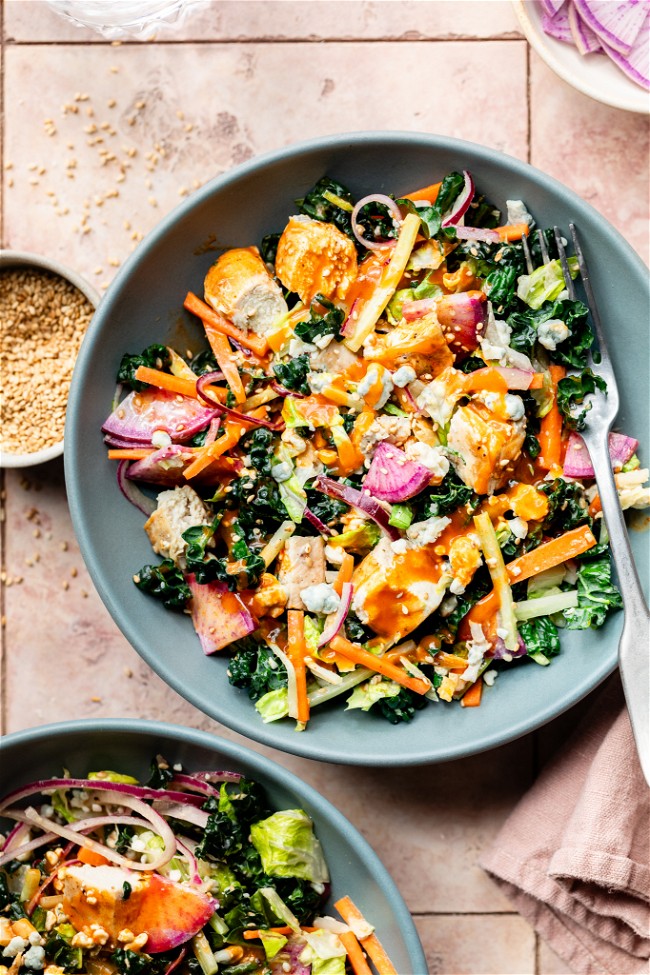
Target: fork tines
x=559, y=242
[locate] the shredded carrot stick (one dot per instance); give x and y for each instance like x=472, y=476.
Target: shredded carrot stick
x=223, y=354
x=545, y=556
x=372, y=945
x=345, y=572
x=472, y=696
x=429, y=193
x=451, y=660
x=355, y=954
x=250, y=935
x=234, y=430
x=130, y=453
x=89, y=856
x=379, y=664
x=513, y=231
x=175, y=384
x=297, y=650
x=213, y=321
x=164, y=380
x=550, y=428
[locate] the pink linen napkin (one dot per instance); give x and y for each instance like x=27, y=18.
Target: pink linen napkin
x=574, y=856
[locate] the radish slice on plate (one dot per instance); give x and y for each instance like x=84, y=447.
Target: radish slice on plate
x=577, y=462
x=558, y=26
x=636, y=65
x=583, y=37
x=393, y=477
x=617, y=24
x=551, y=7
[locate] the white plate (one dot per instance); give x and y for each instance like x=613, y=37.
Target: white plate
x=595, y=75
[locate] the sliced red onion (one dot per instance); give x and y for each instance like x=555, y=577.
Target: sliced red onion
x=122, y=443
x=374, y=245
x=337, y=621
x=461, y=204
x=349, y=321
x=217, y=626
x=192, y=863
x=577, y=462
x=500, y=652
x=194, y=783
x=283, y=391
x=74, y=834
x=133, y=493
x=558, y=26
x=47, y=786
x=393, y=477
x=176, y=962
x=317, y=523
x=17, y=836
x=418, y=308
x=411, y=398
x=357, y=499
x=478, y=233
x=213, y=430
x=139, y=416
x=205, y=380
x=181, y=810
x=617, y=24
x=7, y=855
x=584, y=38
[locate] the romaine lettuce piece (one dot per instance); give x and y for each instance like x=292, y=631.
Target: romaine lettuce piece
x=288, y=848
x=546, y=283
x=273, y=705
x=365, y=695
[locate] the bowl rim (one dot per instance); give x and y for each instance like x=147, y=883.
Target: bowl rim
x=265, y=767
x=14, y=259
x=256, y=730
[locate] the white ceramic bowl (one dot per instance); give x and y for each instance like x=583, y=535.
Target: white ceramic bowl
x=15, y=259
x=594, y=75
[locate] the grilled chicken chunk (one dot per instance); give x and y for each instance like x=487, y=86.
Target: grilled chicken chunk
x=302, y=564
x=177, y=511
x=315, y=258
x=240, y=287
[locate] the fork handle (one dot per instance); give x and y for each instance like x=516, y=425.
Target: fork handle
x=633, y=648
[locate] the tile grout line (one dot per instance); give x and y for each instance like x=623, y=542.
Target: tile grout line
x=508, y=38
x=529, y=114
x=424, y=914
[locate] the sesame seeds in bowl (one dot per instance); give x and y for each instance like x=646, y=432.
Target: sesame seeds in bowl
x=45, y=310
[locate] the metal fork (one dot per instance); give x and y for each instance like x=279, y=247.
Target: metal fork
x=633, y=650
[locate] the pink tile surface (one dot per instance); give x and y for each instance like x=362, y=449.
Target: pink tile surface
x=600, y=152
x=471, y=944
x=104, y=179
x=34, y=20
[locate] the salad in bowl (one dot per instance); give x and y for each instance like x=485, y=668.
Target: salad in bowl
x=370, y=488
x=189, y=870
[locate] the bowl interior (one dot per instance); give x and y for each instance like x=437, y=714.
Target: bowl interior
x=145, y=305
x=18, y=259
x=129, y=747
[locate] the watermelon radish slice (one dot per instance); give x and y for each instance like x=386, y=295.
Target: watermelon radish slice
x=139, y=416
x=164, y=467
x=171, y=914
x=393, y=477
x=577, y=462
x=617, y=24
x=583, y=37
x=219, y=616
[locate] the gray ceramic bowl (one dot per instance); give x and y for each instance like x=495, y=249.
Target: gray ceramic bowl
x=129, y=746
x=144, y=305
x=24, y=259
